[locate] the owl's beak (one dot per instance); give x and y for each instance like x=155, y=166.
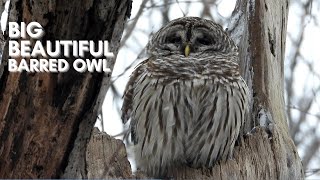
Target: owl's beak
x=187, y=50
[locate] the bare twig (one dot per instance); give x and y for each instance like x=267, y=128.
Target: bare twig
x=311, y=172
x=133, y=24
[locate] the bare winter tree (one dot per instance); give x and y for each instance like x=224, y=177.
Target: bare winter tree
x=303, y=108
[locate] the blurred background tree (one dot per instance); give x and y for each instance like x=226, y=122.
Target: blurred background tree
x=302, y=79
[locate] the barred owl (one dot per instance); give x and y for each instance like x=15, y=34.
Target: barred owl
x=187, y=102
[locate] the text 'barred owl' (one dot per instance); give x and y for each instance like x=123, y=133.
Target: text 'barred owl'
x=187, y=102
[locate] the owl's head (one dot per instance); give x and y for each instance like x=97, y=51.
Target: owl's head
x=190, y=36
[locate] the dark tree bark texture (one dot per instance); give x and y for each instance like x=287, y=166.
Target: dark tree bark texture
x=46, y=119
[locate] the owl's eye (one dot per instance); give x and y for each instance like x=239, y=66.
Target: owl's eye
x=174, y=40
x=205, y=41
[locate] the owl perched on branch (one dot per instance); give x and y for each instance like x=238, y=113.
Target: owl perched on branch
x=187, y=102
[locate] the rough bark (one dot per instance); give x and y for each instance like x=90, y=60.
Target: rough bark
x=268, y=152
x=46, y=118
x=106, y=157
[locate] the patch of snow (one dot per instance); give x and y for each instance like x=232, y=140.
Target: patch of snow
x=4, y=17
x=265, y=118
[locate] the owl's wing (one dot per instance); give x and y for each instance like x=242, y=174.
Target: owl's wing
x=128, y=92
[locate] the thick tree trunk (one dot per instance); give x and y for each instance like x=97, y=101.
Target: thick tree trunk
x=46, y=119
x=268, y=152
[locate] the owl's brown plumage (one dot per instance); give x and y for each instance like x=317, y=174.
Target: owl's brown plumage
x=187, y=101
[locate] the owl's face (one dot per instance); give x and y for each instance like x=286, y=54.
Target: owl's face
x=190, y=36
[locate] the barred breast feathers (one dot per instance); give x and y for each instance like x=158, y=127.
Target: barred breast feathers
x=218, y=70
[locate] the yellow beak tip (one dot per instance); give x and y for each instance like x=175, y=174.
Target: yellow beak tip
x=187, y=50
